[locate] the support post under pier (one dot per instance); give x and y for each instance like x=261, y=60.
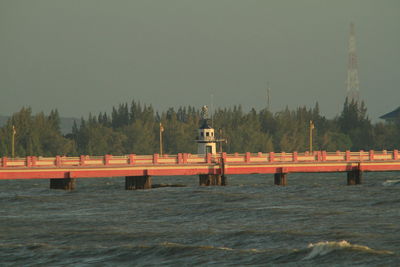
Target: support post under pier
x=212, y=179
x=64, y=183
x=280, y=179
x=354, y=177
x=138, y=182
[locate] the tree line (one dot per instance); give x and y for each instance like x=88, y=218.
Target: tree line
x=134, y=128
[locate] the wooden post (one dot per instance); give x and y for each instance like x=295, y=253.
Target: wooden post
x=138, y=182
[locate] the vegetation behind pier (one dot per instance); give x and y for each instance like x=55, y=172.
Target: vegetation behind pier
x=134, y=128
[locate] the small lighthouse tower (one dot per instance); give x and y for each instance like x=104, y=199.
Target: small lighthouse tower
x=206, y=137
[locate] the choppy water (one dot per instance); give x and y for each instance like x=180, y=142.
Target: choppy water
x=315, y=220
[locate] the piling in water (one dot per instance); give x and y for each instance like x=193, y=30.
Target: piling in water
x=137, y=182
x=280, y=179
x=212, y=179
x=64, y=183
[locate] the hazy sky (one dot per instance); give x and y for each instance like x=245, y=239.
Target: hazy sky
x=89, y=55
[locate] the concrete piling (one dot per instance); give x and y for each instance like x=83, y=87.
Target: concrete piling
x=212, y=179
x=138, y=182
x=64, y=183
x=280, y=179
x=354, y=177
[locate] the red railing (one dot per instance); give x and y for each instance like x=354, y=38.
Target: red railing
x=186, y=158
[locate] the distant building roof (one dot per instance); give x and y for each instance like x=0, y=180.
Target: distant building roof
x=391, y=115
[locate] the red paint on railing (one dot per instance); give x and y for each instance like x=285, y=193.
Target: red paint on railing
x=33, y=167
x=33, y=160
x=295, y=156
x=131, y=159
x=271, y=156
x=82, y=160
x=4, y=162
x=247, y=157
x=155, y=158
x=58, y=161
x=324, y=155
x=28, y=161
x=208, y=158
x=347, y=155
x=107, y=159
x=224, y=157
x=371, y=155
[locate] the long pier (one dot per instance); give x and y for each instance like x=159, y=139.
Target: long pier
x=211, y=168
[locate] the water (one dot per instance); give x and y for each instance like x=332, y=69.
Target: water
x=316, y=220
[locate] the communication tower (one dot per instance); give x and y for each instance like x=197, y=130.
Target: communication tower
x=353, y=90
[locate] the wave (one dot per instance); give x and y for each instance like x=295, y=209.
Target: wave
x=395, y=182
x=326, y=247
x=209, y=247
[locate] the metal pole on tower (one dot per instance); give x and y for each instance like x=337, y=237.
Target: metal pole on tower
x=161, y=138
x=212, y=110
x=13, y=141
x=311, y=135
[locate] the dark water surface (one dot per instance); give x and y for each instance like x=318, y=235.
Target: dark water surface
x=315, y=220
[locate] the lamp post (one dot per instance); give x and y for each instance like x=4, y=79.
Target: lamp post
x=13, y=141
x=161, y=139
x=311, y=135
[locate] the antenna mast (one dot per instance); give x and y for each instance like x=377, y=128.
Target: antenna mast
x=212, y=110
x=353, y=90
x=268, y=97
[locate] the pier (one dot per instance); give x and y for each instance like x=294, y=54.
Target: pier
x=212, y=169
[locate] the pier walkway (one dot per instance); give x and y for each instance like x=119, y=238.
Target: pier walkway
x=211, y=168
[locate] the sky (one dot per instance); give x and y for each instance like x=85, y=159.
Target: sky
x=82, y=56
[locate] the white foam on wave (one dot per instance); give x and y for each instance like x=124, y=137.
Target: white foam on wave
x=326, y=247
x=391, y=182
